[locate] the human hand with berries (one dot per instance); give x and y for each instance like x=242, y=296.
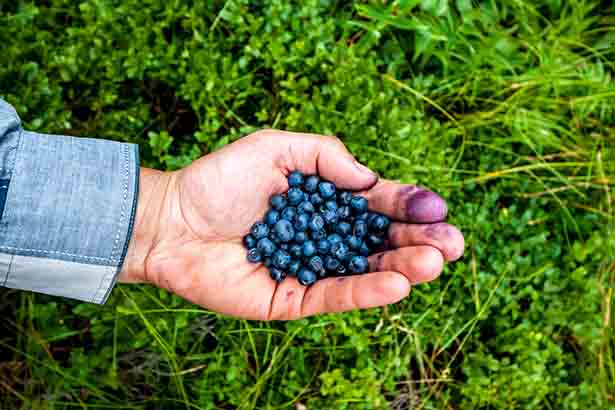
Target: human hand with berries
x=190, y=225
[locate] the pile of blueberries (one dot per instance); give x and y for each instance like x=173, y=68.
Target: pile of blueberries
x=314, y=231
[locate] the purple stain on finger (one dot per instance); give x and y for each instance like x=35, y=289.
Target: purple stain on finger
x=423, y=206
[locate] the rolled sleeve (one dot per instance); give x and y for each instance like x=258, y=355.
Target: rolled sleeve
x=68, y=211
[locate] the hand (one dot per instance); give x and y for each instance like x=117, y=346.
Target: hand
x=190, y=223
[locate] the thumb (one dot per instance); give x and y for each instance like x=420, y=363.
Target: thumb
x=323, y=155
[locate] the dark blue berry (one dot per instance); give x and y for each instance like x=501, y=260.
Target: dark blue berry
x=295, y=196
x=318, y=235
x=316, y=222
x=311, y=183
x=343, y=228
x=309, y=249
x=277, y=274
x=302, y=222
x=364, y=250
x=343, y=212
x=316, y=264
x=358, y=204
x=296, y=250
x=341, y=270
x=340, y=250
x=301, y=237
x=379, y=223
x=359, y=229
x=354, y=242
x=273, y=237
x=249, y=241
x=278, y=202
x=295, y=179
x=358, y=264
x=284, y=230
x=361, y=217
x=306, y=207
x=326, y=189
x=259, y=230
x=331, y=205
x=330, y=217
x=254, y=255
x=293, y=267
x=289, y=213
x=323, y=246
x=284, y=246
x=281, y=259
x=373, y=240
x=334, y=238
x=267, y=262
x=306, y=277
x=271, y=217
x=316, y=199
x=331, y=263
x=344, y=197
x=266, y=246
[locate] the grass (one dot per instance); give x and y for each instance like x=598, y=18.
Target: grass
x=505, y=107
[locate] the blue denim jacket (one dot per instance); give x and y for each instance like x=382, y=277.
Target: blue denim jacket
x=67, y=206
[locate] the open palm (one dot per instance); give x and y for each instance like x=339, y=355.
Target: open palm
x=189, y=235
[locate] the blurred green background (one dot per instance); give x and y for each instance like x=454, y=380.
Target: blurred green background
x=507, y=108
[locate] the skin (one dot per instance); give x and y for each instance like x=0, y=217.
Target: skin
x=190, y=223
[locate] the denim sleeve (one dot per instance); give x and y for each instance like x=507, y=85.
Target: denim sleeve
x=67, y=207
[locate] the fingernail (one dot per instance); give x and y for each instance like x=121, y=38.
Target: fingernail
x=364, y=170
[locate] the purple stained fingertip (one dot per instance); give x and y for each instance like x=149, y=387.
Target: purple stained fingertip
x=423, y=206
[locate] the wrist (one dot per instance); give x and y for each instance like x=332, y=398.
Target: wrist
x=153, y=189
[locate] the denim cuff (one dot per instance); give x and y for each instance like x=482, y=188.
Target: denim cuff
x=67, y=211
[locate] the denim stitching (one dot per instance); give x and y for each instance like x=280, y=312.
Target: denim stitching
x=8, y=271
x=12, y=248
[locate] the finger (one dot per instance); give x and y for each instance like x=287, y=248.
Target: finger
x=442, y=236
x=417, y=263
x=323, y=155
x=408, y=203
x=339, y=294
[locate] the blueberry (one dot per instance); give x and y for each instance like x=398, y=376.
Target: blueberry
x=249, y=241
x=316, y=199
x=318, y=235
x=359, y=204
x=295, y=179
x=266, y=246
x=334, y=238
x=361, y=217
x=302, y=222
x=331, y=205
x=358, y=264
x=343, y=212
x=330, y=217
x=309, y=249
x=340, y=250
x=301, y=237
x=331, y=263
x=343, y=228
x=379, y=223
x=267, y=262
x=296, y=250
x=344, y=197
x=281, y=259
x=306, y=277
x=289, y=213
x=341, y=270
x=284, y=230
x=293, y=267
x=277, y=274
x=311, y=183
x=273, y=237
x=373, y=240
x=284, y=246
x=359, y=229
x=364, y=250
x=278, y=202
x=323, y=246
x=254, y=255
x=326, y=189
x=259, y=230
x=295, y=196
x=354, y=242
x=271, y=217
x=317, y=265
x=316, y=222
x=306, y=207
